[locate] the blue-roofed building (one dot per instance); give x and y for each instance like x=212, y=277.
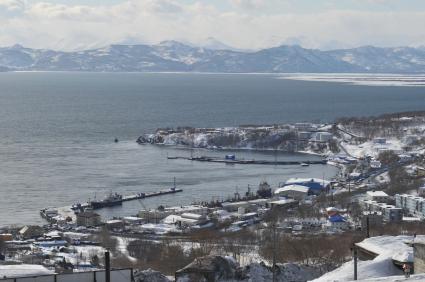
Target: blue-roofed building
x=315, y=185
x=336, y=222
x=337, y=218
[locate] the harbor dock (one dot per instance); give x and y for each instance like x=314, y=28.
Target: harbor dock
x=151, y=194
x=255, y=162
x=130, y=198
x=51, y=214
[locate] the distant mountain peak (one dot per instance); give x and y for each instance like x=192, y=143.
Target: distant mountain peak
x=214, y=44
x=17, y=46
x=172, y=43
x=173, y=55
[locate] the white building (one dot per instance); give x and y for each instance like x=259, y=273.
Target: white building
x=186, y=219
x=296, y=192
x=323, y=136
x=375, y=164
x=378, y=196
x=234, y=206
x=287, y=203
x=390, y=213
x=411, y=205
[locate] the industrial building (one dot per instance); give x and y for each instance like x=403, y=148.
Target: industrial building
x=296, y=192
x=315, y=185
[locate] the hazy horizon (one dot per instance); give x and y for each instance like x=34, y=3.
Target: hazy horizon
x=191, y=44
x=240, y=24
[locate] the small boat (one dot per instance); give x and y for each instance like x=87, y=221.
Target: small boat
x=116, y=140
x=305, y=164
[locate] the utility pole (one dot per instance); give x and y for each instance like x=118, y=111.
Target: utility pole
x=274, y=250
x=355, y=261
x=367, y=227
x=349, y=187
x=107, y=267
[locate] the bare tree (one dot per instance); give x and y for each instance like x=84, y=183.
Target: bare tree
x=2, y=246
x=106, y=240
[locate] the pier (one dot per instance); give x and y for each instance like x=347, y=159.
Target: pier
x=133, y=197
x=151, y=194
x=255, y=162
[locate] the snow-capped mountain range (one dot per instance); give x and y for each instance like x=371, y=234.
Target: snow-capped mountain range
x=173, y=56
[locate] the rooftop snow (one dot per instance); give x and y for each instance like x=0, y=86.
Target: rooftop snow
x=293, y=187
x=300, y=180
x=377, y=194
x=23, y=270
x=388, y=248
x=391, y=246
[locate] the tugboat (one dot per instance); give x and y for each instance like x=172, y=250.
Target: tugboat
x=113, y=199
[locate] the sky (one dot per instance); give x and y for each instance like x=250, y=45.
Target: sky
x=242, y=24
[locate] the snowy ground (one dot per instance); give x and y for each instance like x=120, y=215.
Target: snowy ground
x=379, y=267
x=383, y=178
x=391, y=246
x=419, y=277
x=122, y=244
x=78, y=255
x=369, y=148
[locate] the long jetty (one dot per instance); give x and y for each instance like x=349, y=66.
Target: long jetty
x=151, y=194
x=255, y=162
x=138, y=196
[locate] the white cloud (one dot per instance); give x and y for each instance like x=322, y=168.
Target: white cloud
x=59, y=26
x=248, y=4
x=12, y=5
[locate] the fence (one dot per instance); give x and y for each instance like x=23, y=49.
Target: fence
x=117, y=275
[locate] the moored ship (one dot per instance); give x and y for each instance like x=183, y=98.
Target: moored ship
x=113, y=199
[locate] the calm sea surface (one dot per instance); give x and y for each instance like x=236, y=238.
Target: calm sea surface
x=57, y=131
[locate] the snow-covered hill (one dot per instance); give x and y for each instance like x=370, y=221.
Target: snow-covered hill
x=179, y=57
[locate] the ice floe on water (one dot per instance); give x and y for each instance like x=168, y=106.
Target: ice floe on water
x=362, y=79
